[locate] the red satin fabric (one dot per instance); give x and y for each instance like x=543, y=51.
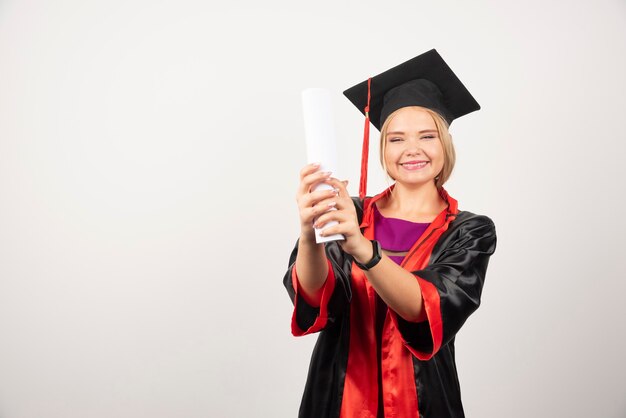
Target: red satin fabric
x=327, y=291
x=419, y=261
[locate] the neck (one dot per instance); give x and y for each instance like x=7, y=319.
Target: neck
x=409, y=201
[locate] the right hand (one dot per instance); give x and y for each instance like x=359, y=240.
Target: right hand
x=312, y=204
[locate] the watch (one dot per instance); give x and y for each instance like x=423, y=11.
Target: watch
x=375, y=258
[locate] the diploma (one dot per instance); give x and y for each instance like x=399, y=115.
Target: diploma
x=320, y=141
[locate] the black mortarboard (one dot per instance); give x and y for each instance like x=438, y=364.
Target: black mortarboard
x=425, y=81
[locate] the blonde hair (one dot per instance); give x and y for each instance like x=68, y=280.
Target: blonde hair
x=449, y=155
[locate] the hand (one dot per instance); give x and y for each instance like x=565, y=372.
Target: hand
x=312, y=204
x=355, y=243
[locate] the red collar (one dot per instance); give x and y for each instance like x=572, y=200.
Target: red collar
x=450, y=211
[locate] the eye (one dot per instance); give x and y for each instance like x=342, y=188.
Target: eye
x=395, y=139
x=428, y=137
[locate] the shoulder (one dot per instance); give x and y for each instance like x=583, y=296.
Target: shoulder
x=467, y=230
x=469, y=220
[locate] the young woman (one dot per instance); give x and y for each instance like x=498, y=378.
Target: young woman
x=389, y=299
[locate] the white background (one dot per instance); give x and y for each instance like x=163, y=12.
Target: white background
x=149, y=153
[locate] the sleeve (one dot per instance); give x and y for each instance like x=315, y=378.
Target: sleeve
x=451, y=287
x=336, y=293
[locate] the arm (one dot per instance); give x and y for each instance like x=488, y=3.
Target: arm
x=318, y=278
x=396, y=286
x=431, y=304
x=451, y=285
x=312, y=269
x=334, y=295
x=311, y=264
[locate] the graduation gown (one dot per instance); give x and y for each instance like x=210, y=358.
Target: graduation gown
x=416, y=360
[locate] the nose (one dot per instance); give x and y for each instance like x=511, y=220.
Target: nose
x=413, y=148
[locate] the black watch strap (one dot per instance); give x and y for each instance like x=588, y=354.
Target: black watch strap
x=375, y=258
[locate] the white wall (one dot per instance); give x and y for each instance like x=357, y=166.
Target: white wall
x=149, y=153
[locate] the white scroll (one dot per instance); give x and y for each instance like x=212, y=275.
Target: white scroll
x=320, y=140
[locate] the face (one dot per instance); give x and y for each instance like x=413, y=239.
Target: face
x=413, y=151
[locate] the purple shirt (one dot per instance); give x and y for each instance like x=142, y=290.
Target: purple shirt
x=397, y=235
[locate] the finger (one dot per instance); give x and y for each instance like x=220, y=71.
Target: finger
x=344, y=200
x=309, y=215
x=308, y=169
x=341, y=185
x=329, y=202
x=344, y=227
x=330, y=216
x=334, y=229
x=313, y=198
x=309, y=181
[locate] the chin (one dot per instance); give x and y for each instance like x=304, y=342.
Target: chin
x=415, y=182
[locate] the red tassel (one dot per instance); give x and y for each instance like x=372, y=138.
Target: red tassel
x=366, y=142
x=364, y=156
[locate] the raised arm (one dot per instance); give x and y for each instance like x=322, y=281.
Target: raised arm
x=396, y=286
x=311, y=264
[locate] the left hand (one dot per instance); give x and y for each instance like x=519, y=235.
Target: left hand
x=355, y=243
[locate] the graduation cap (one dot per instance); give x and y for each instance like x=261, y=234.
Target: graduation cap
x=425, y=81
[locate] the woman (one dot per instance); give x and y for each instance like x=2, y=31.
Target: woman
x=389, y=299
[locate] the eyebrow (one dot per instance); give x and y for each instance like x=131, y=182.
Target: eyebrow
x=420, y=132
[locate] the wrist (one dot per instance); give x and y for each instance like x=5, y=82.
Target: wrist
x=307, y=238
x=370, y=256
x=364, y=251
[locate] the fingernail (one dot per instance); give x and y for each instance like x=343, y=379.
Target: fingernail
x=331, y=204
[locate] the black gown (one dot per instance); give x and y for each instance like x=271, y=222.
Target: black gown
x=409, y=366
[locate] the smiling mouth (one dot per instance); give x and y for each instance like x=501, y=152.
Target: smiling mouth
x=414, y=165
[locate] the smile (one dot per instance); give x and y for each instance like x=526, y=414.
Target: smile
x=414, y=165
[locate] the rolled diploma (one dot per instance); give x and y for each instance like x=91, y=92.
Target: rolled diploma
x=320, y=141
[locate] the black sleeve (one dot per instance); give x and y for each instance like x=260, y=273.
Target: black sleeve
x=336, y=294
x=451, y=286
